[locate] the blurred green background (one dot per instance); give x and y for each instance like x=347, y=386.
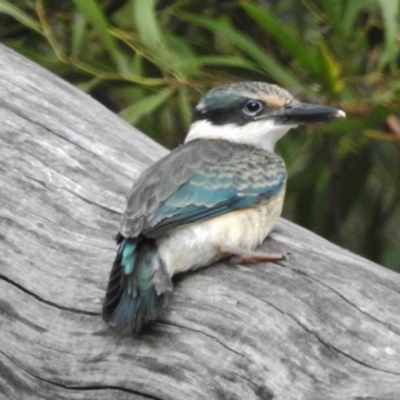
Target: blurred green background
x=150, y=61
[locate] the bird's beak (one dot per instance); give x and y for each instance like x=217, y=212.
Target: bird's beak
x=306, y=113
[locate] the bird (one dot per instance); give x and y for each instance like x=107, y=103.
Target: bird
x=217, y=195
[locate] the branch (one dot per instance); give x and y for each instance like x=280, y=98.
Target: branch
x=324, y=324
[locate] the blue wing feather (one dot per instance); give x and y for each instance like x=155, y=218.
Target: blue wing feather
x=203, y=198
x=200, y=180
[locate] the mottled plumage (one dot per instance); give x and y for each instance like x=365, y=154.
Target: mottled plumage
x=200, y=180
x=217, y=195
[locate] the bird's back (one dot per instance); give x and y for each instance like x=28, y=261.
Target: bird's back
x=200, y=180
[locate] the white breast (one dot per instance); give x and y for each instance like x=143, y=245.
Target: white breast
x=197, y=245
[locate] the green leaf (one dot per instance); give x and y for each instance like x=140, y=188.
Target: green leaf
x=177, y=57
x=390, y=14
x=88, y=85
x=352, y=9
x=93, y=13
x=78, y=34
x=266, y=63
x=328, y=69
x=185, y=107
x=333, y=11
x=146, y=23
x=303, y=54
x=382, y=136
x=145, y=106
x=344, y=126
x=13, y=11
x=150, y=35
x=220, y=61
x=137, y=65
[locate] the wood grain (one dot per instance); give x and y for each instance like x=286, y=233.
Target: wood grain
x=324, y=324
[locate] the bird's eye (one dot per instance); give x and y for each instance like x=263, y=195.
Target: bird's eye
x=252, y=107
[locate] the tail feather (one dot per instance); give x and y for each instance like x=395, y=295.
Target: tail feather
x=132, y=298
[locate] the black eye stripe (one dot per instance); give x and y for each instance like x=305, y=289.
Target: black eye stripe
x=235, y=113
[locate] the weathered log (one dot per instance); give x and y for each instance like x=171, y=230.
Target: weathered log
x=324, y=324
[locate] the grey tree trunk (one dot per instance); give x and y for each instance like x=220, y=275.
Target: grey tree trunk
x=323, y=325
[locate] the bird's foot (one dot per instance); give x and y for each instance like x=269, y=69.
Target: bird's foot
x=239, y=255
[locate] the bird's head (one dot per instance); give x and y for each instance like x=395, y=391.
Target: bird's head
x=254, y=113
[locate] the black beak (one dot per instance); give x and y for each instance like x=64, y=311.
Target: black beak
x=306, y=113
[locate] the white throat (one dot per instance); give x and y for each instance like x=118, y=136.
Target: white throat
x=263, y=134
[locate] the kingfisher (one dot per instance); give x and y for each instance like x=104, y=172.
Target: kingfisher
x=216, y=196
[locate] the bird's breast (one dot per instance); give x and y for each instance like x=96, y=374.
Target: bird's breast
x=196, y=245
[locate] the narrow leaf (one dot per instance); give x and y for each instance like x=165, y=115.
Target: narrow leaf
x=146, y=23
x=280, y=32
x=185, y=106
x=329, y=69
x=93, y=13
x=151, y=37
x=145, y=106
x=266, y=63
x=390, y=14
x=220, y=61
x=10, y=9
x=352, y=10
x=78, y=34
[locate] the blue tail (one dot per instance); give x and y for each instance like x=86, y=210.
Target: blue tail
x=131, y=298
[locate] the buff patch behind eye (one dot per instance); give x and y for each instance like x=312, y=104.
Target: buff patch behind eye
x=272, y=100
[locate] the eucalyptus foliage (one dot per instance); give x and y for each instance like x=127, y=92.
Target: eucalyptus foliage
x=151, y=60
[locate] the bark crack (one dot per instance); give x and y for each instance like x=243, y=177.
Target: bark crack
x=207, y=335
x=346, y=300
x=344, y=354
x=92, y=202
x=328, y=345
x=80, y=388
x=47, y=129
x=51, y=187
x=254, y=385
x=49, y=303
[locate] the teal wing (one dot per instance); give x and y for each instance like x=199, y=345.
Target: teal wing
x=198, y=181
